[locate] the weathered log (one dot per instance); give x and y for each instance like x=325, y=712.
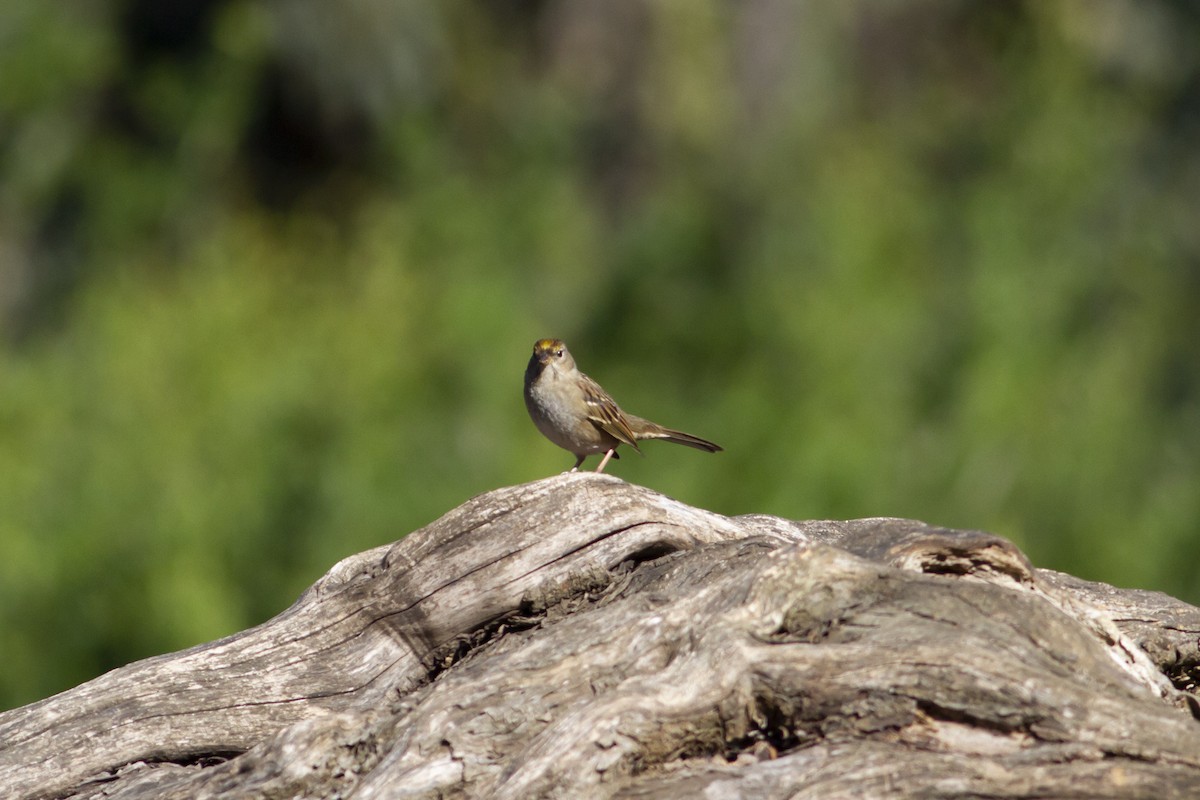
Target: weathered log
x=582, y=637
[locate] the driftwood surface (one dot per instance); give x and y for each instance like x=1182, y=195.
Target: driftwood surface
x=583, y=637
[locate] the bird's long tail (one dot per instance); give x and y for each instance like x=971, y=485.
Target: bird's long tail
x=645, y=429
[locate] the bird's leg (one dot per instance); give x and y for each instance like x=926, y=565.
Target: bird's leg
x=578, y=461
x=604, y=460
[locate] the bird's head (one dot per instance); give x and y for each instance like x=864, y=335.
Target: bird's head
x=551, y=353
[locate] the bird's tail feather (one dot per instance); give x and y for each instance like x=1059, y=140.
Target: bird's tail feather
x=645, y=429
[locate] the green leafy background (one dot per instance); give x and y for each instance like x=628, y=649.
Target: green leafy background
x=270, y=273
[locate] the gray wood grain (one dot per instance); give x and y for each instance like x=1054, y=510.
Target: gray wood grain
x=582, y=637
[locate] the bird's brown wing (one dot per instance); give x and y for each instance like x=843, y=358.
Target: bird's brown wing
x=604, y=412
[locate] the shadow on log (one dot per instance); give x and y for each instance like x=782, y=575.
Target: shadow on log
x=582, y=637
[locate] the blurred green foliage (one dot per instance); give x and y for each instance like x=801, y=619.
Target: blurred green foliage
x=270, y=273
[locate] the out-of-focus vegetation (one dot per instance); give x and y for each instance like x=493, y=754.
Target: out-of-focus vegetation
x=270, y=273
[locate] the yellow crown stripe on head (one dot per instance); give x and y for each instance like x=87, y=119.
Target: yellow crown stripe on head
x=547, y=344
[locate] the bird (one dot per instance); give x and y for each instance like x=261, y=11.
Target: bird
x=574, y=412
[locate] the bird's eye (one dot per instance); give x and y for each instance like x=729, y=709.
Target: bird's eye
x=558, y=353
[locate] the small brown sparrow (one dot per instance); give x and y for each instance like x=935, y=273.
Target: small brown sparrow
x=572, y=411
